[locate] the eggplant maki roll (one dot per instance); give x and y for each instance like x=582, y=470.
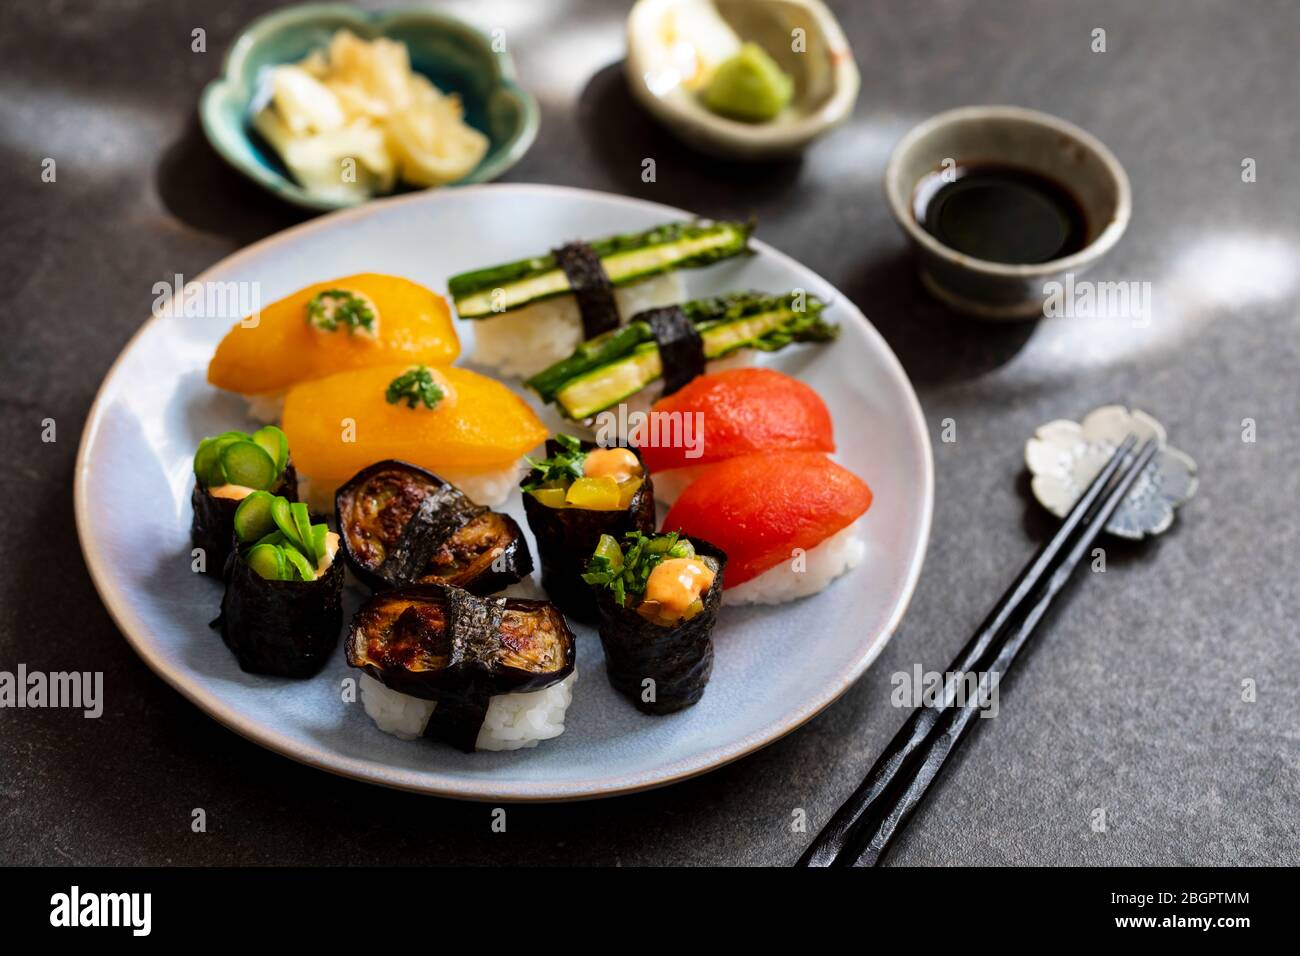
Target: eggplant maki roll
x=658, y=597
x=283, y=606
x=401, y=524
x=227, y=469
x=477, y=673
x=573, y=497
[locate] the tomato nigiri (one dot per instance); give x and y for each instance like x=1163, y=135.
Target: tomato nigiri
x=742, y=411
x=786, y=520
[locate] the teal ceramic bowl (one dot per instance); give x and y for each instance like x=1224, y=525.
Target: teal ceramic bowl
x=455, y=56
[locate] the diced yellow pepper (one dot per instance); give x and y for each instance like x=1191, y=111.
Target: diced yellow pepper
x=626, y=490
x=551, y=497
x=594, y=494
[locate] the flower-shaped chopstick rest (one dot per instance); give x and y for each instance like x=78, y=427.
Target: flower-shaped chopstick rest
x=1064, y=456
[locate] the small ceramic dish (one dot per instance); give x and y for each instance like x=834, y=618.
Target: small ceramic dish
x=672, y=43
x=1029, y=140
x=456, y=57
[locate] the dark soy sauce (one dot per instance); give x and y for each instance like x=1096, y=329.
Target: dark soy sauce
x=1000, y=213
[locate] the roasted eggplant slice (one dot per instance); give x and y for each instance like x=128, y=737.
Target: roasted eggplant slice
x=566, y=533
x=444, y=644
x=283, y=628
x=661, y=662
x=403, y=525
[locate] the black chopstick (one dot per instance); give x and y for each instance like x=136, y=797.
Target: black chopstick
x=870, y=844
x=919, y=731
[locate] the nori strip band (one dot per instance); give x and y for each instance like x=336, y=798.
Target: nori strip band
x=444, y=644
x=474, y=627
x=213, y=526
x=284, y=628
x=681, y=349
x=459, y=717
x=679, y=659
x=445, y=537
x=566, y=537
x=591, y=287
x=440, y=515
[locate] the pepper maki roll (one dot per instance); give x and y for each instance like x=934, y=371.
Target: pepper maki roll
x=283, y=606
x=401, y=524
x=578, y=493
x=658, y=597
x=478, y=673
x=227, y=469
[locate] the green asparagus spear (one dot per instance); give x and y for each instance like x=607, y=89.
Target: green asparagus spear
x=611, y=367
x=627, y=259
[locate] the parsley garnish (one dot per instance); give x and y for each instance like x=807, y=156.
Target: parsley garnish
x=640, y=557
x=565, y=465
x=414, y=386
x=334, y=307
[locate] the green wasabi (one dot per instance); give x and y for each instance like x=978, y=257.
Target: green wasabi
x=749, y=86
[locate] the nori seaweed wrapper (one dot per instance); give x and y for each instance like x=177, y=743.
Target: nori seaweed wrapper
x=284, y=628
x=444, y=644
x=566, y=537
x=401, y=524
x=681, y=349
x=591, y=287
x=213, y=526
x=679, y=659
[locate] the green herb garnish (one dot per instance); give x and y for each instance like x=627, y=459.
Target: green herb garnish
x=415, y=386
x=561, y=468
x=277, y=538
x=237, y=458
x=626, y=569
x=338, y=307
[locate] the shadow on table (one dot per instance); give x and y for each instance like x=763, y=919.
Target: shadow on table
x=934, y=343
x=623, y=136
x=199, y=188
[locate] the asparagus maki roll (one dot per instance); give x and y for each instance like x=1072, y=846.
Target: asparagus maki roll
x=227, y=469
x=401, y=524
x=573, y=497
x=658, y=597
x=533, y=312
x=477, y=673
x=283, y=609
x=674, y=344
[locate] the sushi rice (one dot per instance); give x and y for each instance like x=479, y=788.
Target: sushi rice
x=823, y=564
x=525, y=341
x=266, y=408
x=513, y=722
x=670, y=484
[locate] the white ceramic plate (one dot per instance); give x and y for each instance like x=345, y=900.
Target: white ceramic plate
x=774, y=667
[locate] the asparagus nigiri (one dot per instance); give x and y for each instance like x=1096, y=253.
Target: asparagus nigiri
x=612, y=367
x=533, y=312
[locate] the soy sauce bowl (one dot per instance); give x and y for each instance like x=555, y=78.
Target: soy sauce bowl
x=1007, y=136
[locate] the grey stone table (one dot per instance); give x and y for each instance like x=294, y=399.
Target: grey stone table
x=1135, y=701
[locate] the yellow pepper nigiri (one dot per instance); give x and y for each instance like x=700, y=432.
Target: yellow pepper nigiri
x=346, y=323
x=457, y=423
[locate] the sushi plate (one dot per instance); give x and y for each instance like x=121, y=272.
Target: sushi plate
x=775, y=667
